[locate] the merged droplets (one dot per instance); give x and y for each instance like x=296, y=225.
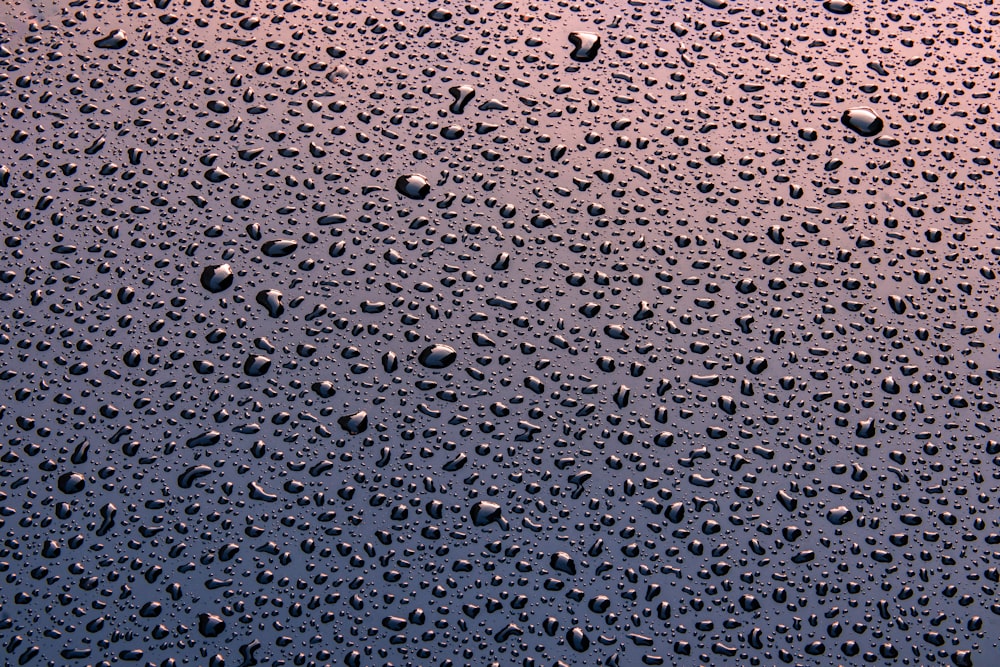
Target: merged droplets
x=585, y=46
x=462, y=95
x=354, y=424
x=210, y=625
x=839, y=516
x=271, y=299
x=484, y=513
x=115, y=39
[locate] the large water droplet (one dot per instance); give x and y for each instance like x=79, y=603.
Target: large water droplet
x=217, y=278
x=485, y=512
x=210, y=625
x=838, y=6
x=271, y=300
x=355, y=423
x=437, y=356
x=414, y=186
x=72, y=482
x=463, y=95
x=114, y=40
x=863, y=120
x=256, y=365
x=279, y=247
x=586, y=45
x=577, y=640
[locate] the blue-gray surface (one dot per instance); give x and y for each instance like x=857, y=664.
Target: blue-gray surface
x=499, y=334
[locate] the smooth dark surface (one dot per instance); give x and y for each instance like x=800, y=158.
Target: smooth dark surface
x=510, y=334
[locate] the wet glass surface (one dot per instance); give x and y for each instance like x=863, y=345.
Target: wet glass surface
x=499, y=334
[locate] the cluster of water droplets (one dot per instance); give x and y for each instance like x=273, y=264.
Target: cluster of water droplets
x=513, y=334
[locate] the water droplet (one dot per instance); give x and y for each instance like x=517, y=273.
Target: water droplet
x=256, y=365
x=210, y=625
x=279, y=247
x=437, y=356
x=72, y=482
x=463, y=95
x=578, y=640
x=355, y=423
x=414, y=186
x=862, y=120
x=217, y=278
x=113, y=40
x=586, y=45
x=838, y=6
x=484, y=512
